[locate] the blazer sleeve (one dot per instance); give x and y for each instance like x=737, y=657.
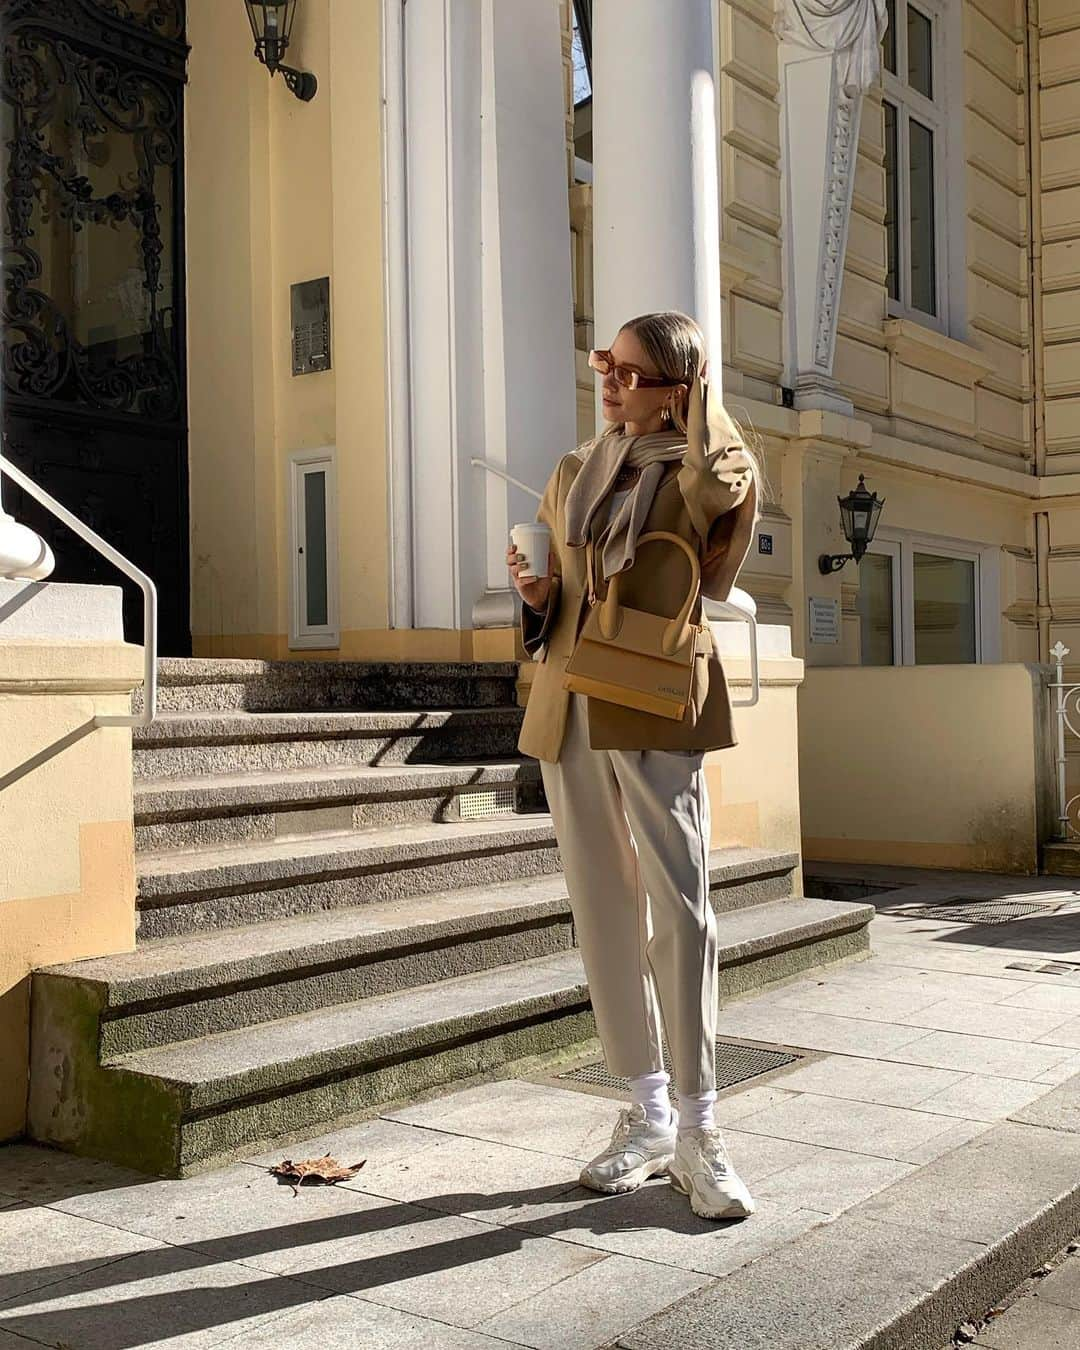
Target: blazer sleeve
x=713, y=479
x=536, y=624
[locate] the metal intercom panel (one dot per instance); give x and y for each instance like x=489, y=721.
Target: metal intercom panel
x=310, y=326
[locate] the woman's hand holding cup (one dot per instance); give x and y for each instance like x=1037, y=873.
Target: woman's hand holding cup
x=532, y=582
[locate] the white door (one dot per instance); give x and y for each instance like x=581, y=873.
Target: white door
x=313, y=620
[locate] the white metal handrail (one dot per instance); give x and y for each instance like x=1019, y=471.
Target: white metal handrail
x=713, y=609
x=129, y=569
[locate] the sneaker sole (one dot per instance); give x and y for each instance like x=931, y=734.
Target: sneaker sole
x=654, y=1167
x=737, y=1209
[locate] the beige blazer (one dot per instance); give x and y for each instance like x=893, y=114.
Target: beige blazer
x=710, y=501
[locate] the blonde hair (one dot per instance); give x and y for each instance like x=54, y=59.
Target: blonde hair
x=675, y=344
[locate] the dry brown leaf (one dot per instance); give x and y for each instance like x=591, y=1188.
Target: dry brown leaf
x=319, y=1171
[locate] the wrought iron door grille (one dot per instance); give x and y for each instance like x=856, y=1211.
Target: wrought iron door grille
x=479, y=803
x=982, y=911
x=735, y=1063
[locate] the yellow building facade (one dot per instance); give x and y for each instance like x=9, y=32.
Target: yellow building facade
x=967, y=421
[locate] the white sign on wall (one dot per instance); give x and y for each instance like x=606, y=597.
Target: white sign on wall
x=824, y=619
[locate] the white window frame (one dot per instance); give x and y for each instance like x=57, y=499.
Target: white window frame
x=891, y=549
x=304, y=636
x=935, y=114
x=901, y=546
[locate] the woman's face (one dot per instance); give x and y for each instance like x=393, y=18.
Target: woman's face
x=638, y=408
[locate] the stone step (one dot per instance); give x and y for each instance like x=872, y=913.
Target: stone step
x=186, y=685
x=188, y=744
x=186, y=892
x=181, y=1107
x=1061, y=859
x=176, y=989
x=211, y=811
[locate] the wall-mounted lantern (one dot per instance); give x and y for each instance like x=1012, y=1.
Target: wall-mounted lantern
x=859, y=512
x=271, y=23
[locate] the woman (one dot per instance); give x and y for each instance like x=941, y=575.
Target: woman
x=626, y=788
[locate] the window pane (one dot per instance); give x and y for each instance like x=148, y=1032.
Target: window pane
x=944, y=609
x=875, y=606
x=315, y=548
x=921, y=190
x=888, y=45
x=919, y=52
x=892, y=204
x=582, y=82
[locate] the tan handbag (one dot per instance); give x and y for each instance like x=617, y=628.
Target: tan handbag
x=635, y=658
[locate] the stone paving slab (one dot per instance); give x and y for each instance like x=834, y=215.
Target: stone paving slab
x=41, y=1247
x=165, y=1297
x=1068, y=1033
x=813, y=1030
x=822, y=1291
x=871, y=1080
x=1058, y=1110
x=344, y=1323
x=41, y=1176
x=474, y=1178
x=437, y=1265
x=987, y=1188
x=991, y=1019
x=593, y=1307
x=551, y=1120
x=1063, y=1284
x=237, y=1214
x=1031, y=1324
x=981, y=1054
x=980, y=1097
x=859, y=1127
x=1049, y=996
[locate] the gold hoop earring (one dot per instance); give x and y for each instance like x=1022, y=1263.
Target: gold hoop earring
x=665, y=414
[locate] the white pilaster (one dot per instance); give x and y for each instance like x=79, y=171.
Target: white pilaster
x=828, y=59
x=655, y=214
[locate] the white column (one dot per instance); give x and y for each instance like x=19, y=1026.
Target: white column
x=490, y=362
x=530, y=408
x=656, y=231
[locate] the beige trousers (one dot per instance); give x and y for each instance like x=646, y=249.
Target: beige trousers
x=633, y=831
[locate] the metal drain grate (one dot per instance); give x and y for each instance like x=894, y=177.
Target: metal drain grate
x=735, y=1063
x=980, y=911
x=1046, y=967
x=477, y=803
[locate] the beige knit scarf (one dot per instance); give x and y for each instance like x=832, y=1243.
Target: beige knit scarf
x=616, y=542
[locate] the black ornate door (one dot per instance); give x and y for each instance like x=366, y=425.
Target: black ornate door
x=94, y=400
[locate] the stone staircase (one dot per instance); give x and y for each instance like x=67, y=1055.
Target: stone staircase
x=348, y=892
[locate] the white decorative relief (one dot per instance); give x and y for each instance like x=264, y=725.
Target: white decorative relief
x=845, y=123
x=852, y=29
x=830, y=55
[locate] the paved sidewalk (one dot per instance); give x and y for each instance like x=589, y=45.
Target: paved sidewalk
x=465, y=1229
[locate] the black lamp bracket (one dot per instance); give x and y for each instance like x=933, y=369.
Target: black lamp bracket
x=832, y=562
x=301, y=82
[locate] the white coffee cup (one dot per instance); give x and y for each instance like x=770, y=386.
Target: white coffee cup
x=533, y=543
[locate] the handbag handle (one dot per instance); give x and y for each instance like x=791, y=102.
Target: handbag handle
x=678, y=630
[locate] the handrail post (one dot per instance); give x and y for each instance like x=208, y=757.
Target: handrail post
x=1059, y=651
x=149, y=590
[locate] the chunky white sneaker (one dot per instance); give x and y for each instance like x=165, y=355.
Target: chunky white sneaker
x=702, y=1170
x=638, y=1150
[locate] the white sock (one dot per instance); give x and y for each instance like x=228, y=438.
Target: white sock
x=651, y=1092
x=696, y=1110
